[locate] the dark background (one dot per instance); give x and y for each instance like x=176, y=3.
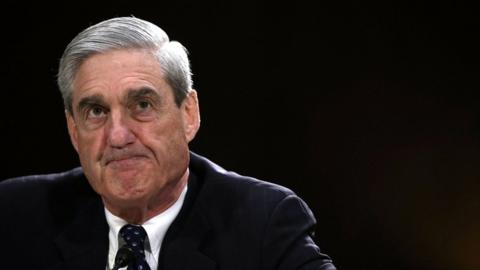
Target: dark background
x=368, y=111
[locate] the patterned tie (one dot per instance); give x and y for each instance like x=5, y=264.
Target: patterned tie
x=134, y=236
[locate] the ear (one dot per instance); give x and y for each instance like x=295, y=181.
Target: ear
x=72, y=129
x=191, y=115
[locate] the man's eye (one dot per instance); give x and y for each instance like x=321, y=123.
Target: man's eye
x=143, y=105
x=96, y=112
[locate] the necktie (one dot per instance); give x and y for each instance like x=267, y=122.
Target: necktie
x=134, y=237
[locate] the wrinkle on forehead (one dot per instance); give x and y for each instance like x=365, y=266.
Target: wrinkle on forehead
x=116, y=70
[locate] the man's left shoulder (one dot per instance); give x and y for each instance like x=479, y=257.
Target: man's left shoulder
x=270, y=220
x=228, y=191
x=231, y=182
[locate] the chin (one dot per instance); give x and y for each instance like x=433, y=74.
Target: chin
x=126, y=176
x=126, y=181
x=125, y=186
x=127, y=199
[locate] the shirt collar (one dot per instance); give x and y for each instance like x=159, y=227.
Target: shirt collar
x=156, y=228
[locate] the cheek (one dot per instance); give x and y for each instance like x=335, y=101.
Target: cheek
x=166, y=140
x=89, y=146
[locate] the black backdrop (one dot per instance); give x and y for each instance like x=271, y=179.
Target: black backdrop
x=367, y=111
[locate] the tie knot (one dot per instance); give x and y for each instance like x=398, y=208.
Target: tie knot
x=134, y=236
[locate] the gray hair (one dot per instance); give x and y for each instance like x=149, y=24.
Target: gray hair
x=126, y=33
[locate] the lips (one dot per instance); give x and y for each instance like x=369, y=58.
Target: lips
x=122, y=157
x=126, y=163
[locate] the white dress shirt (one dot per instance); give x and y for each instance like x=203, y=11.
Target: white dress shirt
x=156, y=228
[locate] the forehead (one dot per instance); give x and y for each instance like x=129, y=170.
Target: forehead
x=118, y=70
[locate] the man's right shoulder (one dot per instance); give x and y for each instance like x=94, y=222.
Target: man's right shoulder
x=39, y=186
x=44, y=197
x=40, y=180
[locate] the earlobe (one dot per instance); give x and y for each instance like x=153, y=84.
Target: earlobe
x=72, y=129
x=191, y=112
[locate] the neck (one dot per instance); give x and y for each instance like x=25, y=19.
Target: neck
x=139, y=213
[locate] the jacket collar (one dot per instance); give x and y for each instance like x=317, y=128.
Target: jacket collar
x=181, y=249
x=84, y=243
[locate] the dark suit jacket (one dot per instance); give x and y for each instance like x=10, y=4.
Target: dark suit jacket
x=227, y=222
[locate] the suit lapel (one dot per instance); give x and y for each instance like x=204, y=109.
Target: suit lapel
x=184, y=251
x=84, y=243
x=181, y=248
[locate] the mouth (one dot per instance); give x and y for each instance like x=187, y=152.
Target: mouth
x=125, y=162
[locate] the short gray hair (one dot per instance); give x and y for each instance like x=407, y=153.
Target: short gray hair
x=126, y=33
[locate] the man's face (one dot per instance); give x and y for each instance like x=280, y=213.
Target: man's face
x=131, y=137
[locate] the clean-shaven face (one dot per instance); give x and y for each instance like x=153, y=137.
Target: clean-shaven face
x=131, y=137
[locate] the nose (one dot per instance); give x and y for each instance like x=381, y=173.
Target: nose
x=119, y=132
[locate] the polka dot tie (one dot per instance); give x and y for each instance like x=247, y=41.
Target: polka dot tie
x=134, y=236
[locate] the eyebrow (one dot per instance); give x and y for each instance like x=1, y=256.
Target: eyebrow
x=134, y=94
x=96, y=99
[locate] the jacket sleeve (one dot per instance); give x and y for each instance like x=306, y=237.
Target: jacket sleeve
x=288, y=242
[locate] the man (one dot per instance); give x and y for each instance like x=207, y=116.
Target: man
x=141, y=199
